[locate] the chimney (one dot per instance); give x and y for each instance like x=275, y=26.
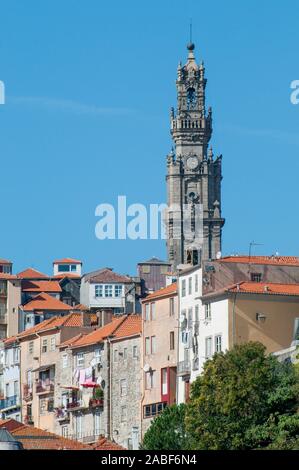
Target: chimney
x=104, y=316
x=86, y=319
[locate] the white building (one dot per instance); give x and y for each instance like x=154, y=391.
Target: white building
x=190, y=316
x=67, y=266
x=10, y=405
x=106, y=290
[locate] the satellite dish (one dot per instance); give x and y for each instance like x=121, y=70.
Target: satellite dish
x=146, y=368
x=218, y=255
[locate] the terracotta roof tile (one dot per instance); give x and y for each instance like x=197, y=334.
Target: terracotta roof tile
x=71, y=320
x=41, y=286
x=67, y=261
x=31, y=273
x=265, y=288
x=67, y=275
x=130, y=327
x=45, y=301
x=164, y=292
x=273, y=260
x=100, y=334
x=8, y=277
x=105, y=444
x=106, y=275
x=10, y=424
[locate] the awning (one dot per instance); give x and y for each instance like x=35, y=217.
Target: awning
x=90, y=384
x=41, y=368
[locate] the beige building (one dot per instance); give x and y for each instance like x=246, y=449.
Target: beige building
x=10, y=299
x=40, y=360
x=249, y=311
x=159, y=352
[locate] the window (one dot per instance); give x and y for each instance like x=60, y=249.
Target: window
x=164, y=383
x=150, y=379
x=146, y=269
x=171, y=340
x=73, y=267
x=190, y=285
x=171, y=306
x=153, y=409
x=153, y=345
x=125, y=353
x=53, y=343
x=64, y=361
x=43, y=405
x=16, y=388
x=118, y=289
x=190, y=319
x=209, y=346
x=64, y=431
x=16, y=355
x=108, y=290
x=147, y=346
x=115, y=355
x=135, y=351
x=63, y=268
x=123, y=387
x=196, y=283
x=147, y=312
x=29, y=378
x=183, y=288
x=80, y=360
x=208, y=312
x=153, y=311
x=99, y=290
x=123, y=414
x=30, y=347
x=256, y=277
x=28, y=319
x=44, y=345
x=218, y=343
x=97, y=423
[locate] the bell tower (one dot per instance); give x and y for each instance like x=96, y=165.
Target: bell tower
x=193, y=174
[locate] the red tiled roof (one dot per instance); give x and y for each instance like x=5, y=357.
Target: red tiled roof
x=71, y=341
x=34, y=438
x=130, y=327
x=106, y=275
x=265, y=288
x=99, y=334
x=105, y=444
x=8, y=277
x=41, y=286
x=67, y=261
x=45, y=301
x=10, y=424
x=81, y=307
x=71, y=320
x=31, y=273
x=164, y=292
x=273, y=260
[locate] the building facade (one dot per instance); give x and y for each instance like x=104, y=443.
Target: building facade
x=10, y=299
x=190, y=321
x=193, y=175
x=159, y=352
x=153, y=275
x=10, y=404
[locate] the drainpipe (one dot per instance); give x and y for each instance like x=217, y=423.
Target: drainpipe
x=109, y=387
x=178, y=338
x=234, y=318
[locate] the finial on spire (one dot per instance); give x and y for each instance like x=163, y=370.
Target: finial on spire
x=190, y=45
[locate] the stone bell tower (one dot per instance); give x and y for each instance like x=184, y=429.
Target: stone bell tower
x=193, y=174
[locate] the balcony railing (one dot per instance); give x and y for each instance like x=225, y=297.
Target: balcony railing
x=61, y=414
x=27, y=392
x=44, y=387
x=96, y=402
x=75, y=404
x=9, y=402
x=184, y=368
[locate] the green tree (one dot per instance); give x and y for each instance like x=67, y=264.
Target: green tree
x=244, y=399
x=167, y=431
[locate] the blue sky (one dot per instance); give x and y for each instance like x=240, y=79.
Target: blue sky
x=89, y=86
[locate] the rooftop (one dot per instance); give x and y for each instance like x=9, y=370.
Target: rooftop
x=44, y=301
x=272, y=260
x=106, y=275
x=71, y=320
x=164, y=292
x=265, y=288
x=67, y=261
x=40, y=286
x=32, y=273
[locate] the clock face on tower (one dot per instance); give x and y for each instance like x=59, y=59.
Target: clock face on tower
x=192, y=163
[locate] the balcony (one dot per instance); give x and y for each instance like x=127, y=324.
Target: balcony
x=75, y=405
x=27, y=392
x=96, y=402
x=61, y=414
x=9, y=402
x=44, y=386
x=184, y=368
